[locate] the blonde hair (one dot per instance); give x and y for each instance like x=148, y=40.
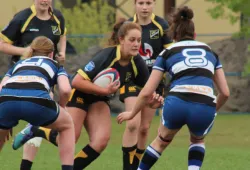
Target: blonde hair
x=40, y=46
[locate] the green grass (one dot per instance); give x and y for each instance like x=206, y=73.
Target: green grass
x=227, y=148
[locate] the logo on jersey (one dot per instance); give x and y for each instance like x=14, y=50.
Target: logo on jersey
x=90, y=66
x=154, y=34
x=146, y=51
x=132, y=88
x=79, y=100
x=128, y=76
x=34, y=30
x=55, y=30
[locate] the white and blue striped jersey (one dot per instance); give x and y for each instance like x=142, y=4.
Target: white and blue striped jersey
x=191, y=65
x=36, y=73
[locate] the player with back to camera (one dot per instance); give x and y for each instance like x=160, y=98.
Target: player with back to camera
x=154, y=40
x=194, y=67
x=25, y=96
x=38, y=20
x=89, y=104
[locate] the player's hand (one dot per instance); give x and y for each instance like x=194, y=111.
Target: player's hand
x=156, y=101
x=113, y=87
x=60, y=58
x=124, y=116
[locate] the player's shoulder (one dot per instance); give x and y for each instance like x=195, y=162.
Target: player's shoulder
x=108, y=50
x=160, y=21
x=189, y=44
x=23, y=14
x=57, y=12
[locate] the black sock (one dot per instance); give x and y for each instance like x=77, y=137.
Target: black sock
x=128, y=156
x=25, y=165
x=85, y=157
x=137, y=158
x=48, y=134
x=67, y=167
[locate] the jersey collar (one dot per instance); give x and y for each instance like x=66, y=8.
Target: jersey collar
x=135, y=18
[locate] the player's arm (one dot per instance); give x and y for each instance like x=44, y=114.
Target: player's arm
x=82, y=81
x=9, y=35
x=150, y=86
x=61, y=46
x=144, y=96
x=10, y=49
x=221, y=84
x=147, y=91
x=86, y=86
x=63, y=86
x=6, y=77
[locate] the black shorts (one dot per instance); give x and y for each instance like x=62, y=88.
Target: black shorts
x=82, y=100
x=132, y=90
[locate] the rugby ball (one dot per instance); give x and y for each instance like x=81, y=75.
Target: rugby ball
x=105, y=77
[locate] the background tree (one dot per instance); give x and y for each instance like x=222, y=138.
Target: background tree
x=234, y=10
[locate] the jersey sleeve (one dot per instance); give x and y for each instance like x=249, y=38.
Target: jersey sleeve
x=62, y=22
x=12, y=31
x=166, y=41
x=94, y=66
x=62, y=71
x=217, y=63
x=9, y=73
x=160, y=62
x=143, y=73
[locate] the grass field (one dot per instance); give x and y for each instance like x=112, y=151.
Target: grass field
x=227, y=148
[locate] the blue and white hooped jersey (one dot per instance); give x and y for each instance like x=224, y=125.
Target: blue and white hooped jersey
x=35, y=73
x=191, y=65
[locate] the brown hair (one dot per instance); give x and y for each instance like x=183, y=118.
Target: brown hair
x=181, y=24
x=51, y=13
x=120, y=29
x=136, y=0
x=40, y=46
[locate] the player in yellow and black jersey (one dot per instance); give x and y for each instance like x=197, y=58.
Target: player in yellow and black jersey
x=38, y=20
x=154, y=40
x=89, y=104
x=134, y=71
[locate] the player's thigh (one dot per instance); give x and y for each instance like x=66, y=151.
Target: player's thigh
x=62, y=122
x=129, y=104
x=200, y=119
x=147, y=115
x=98, y=121
x=78, y=116
x=174, y=113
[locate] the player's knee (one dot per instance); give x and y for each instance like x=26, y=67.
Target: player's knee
x=164, y=141
x=144, y=129
x=132, y=128
x=77, y=136
x=100, y=143
x=195, y=139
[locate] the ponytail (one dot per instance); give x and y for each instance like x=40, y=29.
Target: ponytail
x=28, y=53
x=114, y=39
x=40, y=46
x=51, y=13
x=182, y=25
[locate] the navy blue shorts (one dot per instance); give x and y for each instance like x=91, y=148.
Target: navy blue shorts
x=83, y=101
x=36, y=111
x=197, y=116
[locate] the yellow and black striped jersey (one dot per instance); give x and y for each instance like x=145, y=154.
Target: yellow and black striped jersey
x=136, y=71
x=154, y=39
x=25, y=27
